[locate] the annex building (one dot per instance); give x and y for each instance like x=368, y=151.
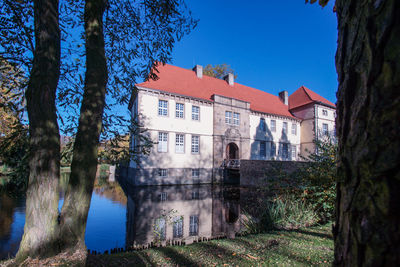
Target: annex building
x=200, y=124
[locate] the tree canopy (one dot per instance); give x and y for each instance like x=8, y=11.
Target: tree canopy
x=82, y=59
x=218, y=71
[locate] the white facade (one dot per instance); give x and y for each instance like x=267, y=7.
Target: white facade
x=194, y=137
x=318, y=122
x=192, y=158
x=270, y=140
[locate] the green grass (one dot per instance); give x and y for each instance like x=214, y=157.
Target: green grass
x=302, y=247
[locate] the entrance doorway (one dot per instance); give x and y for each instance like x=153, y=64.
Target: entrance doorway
x=232, y=151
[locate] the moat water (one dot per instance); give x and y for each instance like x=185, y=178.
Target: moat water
x=126, y=216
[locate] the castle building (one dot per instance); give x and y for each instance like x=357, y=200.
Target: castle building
x=200, y=123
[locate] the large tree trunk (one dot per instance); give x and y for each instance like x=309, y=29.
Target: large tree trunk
x=367, y=231
x=84, y=163
x=41, y=227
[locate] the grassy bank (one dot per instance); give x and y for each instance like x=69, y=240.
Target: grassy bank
x=302, y=247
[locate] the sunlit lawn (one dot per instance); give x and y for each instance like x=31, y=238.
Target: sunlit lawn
x=303, y=247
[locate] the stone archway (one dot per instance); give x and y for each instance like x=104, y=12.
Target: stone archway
x=232, y=151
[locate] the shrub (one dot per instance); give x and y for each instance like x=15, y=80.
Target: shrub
x=319, y=179
x=289, y=212
x=283, y=212
x=14, y=151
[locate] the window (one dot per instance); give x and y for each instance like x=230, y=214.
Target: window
x=262, y=149
x=285, y=152
x=162, y=172
x=324, y=112
x=180, y=143
x=262, y=125
x=160, y=228
x=179, y=110
x=163, y=196
x=294, y=129
x=273, y=125
x=325, y=129
x=284, y=127
x=273, y=149
x=195, y=173
x=236, y=118
x=195, y=113
x=195, y=194
x=162, y=108
x=162, y=142
x=194, y=225
x=228, y=117
x=195, y=144
x=294, y=154
x=178, y=227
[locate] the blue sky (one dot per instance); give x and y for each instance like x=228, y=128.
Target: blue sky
x=271, y=45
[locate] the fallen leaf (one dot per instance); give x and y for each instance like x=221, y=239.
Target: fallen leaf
x=252, y=257
x=234, y=254
x=220, y=256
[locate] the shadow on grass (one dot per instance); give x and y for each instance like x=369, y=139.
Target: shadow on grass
x=176, y=257
x=227, y=256
x=296, y=258
x=125, y=259
x=268, y=243
x=316, y=234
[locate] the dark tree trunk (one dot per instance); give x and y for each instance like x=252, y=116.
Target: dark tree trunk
x=367, y=231
x=41, y=227
x=84, y=163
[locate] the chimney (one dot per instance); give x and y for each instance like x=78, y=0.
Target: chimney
x=284, y=97
x=229, y=78
x=199, y=71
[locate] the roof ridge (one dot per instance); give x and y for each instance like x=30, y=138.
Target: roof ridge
x=183, y=81
x=221, y=80
x=305, y=91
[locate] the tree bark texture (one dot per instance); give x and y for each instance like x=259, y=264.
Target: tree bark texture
x=41, y=226
x=367, y=230
x=84, y=163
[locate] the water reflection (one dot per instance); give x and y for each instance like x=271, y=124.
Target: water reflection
x=12, y=220
x=183, y=214
x=125, y=216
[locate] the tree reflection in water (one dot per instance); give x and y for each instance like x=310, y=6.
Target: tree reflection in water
x=124, y=216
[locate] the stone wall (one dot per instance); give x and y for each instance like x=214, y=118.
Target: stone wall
x=175, y=176
x=224, y=133
x=259, y=172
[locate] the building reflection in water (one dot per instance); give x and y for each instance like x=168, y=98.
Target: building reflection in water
x=184, y=213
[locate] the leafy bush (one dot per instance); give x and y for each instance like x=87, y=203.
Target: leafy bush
x=14, y=151
x=319, y=179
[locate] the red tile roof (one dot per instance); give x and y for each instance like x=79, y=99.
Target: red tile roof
x=304, y=96
x=181, y=81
